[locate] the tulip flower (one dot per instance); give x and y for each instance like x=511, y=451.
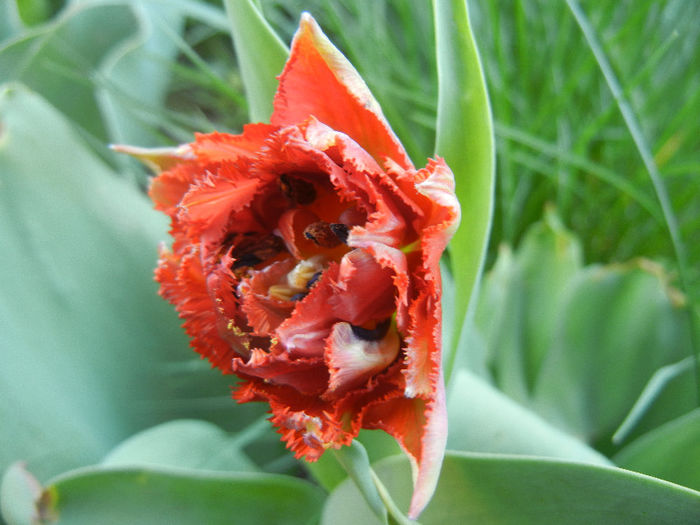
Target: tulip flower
x=306, y=261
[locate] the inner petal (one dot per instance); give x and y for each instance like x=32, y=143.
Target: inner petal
x=352, y=359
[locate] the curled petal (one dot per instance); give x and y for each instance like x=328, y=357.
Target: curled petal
x=305, y=331
x=318, y=80
x=353, y=360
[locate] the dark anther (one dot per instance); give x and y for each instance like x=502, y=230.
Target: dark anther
x=373, y=334
x=247, y=259
x=340, y=230
x=298, y=296
x=321, y=233
x=253, y=251
x=315, y=277
x=297, y=190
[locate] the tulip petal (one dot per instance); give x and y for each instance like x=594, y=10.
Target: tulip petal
x=352, y=360
x=365, y=290
x=319, y=81
x=168, y=188
x=217, y=147
x=305, y=331
x=158, y=159
x=307, y=376
x=420, y=427
x=210, y=202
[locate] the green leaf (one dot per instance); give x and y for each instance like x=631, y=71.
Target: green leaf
x=495, y=489
x=33, y=12
x=465, y=139
x=670, y=452
x=261, y=56
x=183, y=443
x=177, y=496
x=617, y=326
x=82, y=325
x=492, y=422
x=670, y=393
x=57, y=60
x=10, y=23
x=134, y=75
x=520, y=301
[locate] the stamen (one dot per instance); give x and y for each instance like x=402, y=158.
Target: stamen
x=372, y=334
x=315, y=277
x=251, y=252
x=298, y=296
x=297, y=190
x=327, y=235
x=341, y=231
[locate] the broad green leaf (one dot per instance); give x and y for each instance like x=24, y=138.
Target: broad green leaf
x=82, y=325
x=465, y=139
x=57, y=60
x=520, y=301
x=135, y=74
x=33, y=12
x=616, y=327
x=670, y=393
x=182, y=443
x=670, y=452
x=261, y=56
x=499, y=490
x=10, y=24
x=149, y=496
x=482, y=419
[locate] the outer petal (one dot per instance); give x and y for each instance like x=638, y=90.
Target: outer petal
x=217, y=147
x=318, y=80
x=420, y=427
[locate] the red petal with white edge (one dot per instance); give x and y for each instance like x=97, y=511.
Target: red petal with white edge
x=420, y=427
x=437, y=184
x=423, y=345
x=352, y=361
x=318, y=80
x=218, y=147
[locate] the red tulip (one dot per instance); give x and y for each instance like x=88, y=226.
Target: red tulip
x=306, y=261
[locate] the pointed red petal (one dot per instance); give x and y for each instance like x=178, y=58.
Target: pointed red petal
x=318, y=80
x=420, y=427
